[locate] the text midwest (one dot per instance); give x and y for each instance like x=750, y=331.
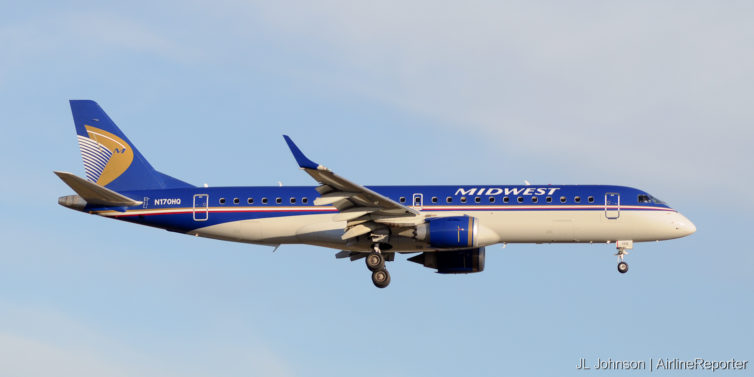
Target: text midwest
x=491, y=191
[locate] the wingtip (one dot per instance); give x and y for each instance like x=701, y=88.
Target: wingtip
x=301, y=159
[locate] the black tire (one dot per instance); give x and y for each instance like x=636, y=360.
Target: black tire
x=375, y=261
x=622, y=267
x=381, y=278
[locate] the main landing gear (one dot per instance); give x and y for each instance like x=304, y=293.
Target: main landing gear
x=622, y=246
x=375, y=262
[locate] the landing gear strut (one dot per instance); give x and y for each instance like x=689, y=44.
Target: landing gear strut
x=376, y=263
x=622, y=246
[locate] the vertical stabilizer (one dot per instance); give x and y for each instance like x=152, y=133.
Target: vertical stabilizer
x=110, y=159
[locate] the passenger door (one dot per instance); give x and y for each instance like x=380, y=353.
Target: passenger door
x=201, y=207
x=612, y=205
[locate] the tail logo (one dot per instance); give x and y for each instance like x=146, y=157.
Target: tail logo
x=105, y=155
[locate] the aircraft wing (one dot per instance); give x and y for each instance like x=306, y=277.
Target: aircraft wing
x=364, y=209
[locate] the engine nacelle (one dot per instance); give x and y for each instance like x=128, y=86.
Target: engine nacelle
x=449, y=232
x=452, y=262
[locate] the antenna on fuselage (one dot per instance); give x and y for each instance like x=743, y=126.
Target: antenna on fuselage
x=527, y=182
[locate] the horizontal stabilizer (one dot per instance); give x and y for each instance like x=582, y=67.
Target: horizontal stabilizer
x=94, y=193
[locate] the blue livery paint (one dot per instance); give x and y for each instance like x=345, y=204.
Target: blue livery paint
x=165, y=215
x=451, y=232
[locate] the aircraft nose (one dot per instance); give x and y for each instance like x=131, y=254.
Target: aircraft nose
x=683, y=225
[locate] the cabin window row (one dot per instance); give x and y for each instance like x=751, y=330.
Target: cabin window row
x=264, y=200
x=506, y=199
x=434, y=199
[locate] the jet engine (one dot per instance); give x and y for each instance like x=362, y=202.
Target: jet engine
x=449, y=232
x=453, y=262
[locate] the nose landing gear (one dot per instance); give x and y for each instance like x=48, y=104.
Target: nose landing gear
x=622, y=267
x=622, y=246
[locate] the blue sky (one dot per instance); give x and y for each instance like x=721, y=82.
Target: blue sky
x=656, y=96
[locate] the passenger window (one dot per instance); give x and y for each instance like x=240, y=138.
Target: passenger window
x=236, y=201
x=293, y=200
x=434, y=199
x=304, y=200
x=492, y=199
x=506, y=199
x=417, y=200
x=463, y=199
x=534, y=199
x=278, y=200
x=577, y=199
x=264, y=200
x=402, y=199
x=562, y=199
x=222, y=200
x=590, y=199
x=548, y=199
x=250, y=201
x=449, y=199
x=520, y=199
x=477, y=199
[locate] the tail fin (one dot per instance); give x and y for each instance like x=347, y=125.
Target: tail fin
x=110, y=159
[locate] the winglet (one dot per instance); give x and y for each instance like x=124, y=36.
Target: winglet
x=302, y=160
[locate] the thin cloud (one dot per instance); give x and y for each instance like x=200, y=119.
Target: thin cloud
x=38, y=342
x=83, y=33
x=656, y=92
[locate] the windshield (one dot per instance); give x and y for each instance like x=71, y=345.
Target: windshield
x=646, y=198
x=658, y=201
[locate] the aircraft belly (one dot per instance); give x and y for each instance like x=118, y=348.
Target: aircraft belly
x=573, y=226
x=316, y=229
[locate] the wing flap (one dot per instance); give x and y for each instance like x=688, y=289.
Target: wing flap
x=330, y=198
x=358, y=230
x=353, y=213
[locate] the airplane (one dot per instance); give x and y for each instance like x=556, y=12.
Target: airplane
x=447, y=227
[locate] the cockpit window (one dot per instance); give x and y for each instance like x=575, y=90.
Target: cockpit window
x=658, y=201
x=645, y=198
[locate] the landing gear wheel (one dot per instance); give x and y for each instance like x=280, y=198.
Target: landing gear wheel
x=381, y=278
x=622, y=267
x=375, y=261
